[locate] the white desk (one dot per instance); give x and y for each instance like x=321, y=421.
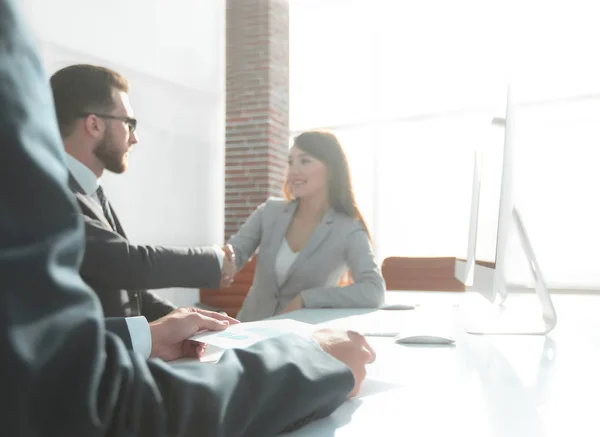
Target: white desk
x=501, y=386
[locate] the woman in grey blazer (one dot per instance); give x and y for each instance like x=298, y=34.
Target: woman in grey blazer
x=310, y=239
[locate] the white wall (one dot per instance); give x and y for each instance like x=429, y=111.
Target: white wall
x=173, y=55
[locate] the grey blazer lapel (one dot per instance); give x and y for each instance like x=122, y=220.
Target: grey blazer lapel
x=316, y=239
x=280, y=228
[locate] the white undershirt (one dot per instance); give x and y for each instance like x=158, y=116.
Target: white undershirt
x=283, y=262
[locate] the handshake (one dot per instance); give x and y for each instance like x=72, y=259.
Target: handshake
x=229, y=268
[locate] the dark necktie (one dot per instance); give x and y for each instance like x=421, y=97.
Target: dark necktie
x=106, y=208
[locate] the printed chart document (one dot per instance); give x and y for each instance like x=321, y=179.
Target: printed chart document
x=243, y=335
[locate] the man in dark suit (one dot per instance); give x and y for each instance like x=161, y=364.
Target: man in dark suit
x=98, y=130
x=61, y=372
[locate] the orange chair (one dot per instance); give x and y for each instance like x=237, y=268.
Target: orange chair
x=230, y=299
x=421, y=274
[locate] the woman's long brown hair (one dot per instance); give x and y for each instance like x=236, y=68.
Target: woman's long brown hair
x=325, y=147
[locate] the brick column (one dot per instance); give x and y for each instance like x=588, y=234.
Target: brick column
x=257, y=105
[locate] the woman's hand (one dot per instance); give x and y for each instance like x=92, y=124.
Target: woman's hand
x=229, y=266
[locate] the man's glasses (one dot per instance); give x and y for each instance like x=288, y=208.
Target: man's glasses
x=131, y=122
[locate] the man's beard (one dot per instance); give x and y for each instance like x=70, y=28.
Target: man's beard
x=113, y=159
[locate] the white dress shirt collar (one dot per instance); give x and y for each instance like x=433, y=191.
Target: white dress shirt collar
x=85, y=177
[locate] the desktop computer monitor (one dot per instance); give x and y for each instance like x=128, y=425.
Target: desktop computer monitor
x=465, y=271
x=484, y=214
x=498, y=294
x=492, y=287
x=510, y=225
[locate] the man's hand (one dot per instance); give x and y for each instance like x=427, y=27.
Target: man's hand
x=351, y=348
x=170, y=333
x=295, y=304
x=229, y=266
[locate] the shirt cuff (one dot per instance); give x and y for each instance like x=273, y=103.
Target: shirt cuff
x=141, y=338
x=220, y=254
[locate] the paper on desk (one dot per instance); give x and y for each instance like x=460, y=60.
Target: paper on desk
x=244, y=335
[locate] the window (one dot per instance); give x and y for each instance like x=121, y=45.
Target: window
x=411, y=87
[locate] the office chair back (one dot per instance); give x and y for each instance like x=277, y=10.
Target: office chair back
x=230, y=299
x=421, y=274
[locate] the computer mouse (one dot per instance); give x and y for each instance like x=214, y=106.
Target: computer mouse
x=424, y=339
x=398, y=306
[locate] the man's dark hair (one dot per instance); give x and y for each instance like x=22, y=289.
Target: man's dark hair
x=79, y=89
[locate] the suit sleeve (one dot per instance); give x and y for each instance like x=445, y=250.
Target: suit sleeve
x=368, y=288
x=154, y=307
x=118, y=326
x=61, y=372
x=112, y=261
x=247, y=239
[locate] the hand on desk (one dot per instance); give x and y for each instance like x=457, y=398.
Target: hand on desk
x=229, y=266
x=170, y=333
x=349, y=347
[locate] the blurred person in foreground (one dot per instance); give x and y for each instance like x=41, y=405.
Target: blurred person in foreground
x=61, y=372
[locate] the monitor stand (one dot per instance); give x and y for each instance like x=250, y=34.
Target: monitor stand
x=519, y=320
